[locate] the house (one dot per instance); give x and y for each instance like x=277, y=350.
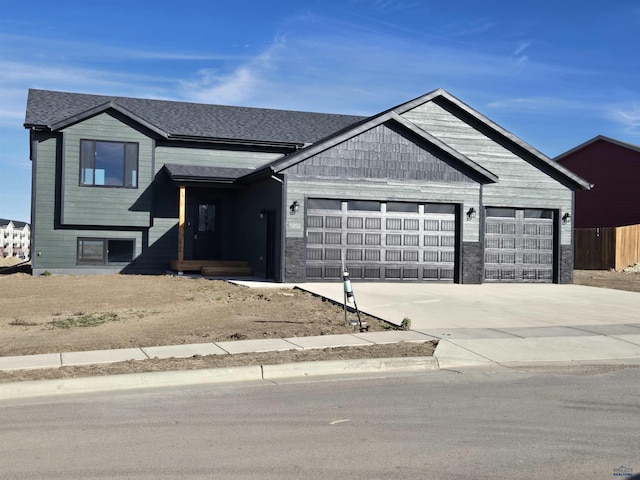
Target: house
x=430, y=190
x=15, y=238
x=613, y=167
x=607, y=217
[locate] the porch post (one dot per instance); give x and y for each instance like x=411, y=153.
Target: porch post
x=181, y=219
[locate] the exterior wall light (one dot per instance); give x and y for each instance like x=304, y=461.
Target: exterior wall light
x=566, y=217
x=471, y=213
x=294, y=207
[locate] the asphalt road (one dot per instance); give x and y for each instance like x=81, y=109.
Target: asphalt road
x=507, y=425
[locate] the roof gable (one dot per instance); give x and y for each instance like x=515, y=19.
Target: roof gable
x=491, y=129
x=16, y=224
x=393, y=120
x=111, y=105
x=599, y=138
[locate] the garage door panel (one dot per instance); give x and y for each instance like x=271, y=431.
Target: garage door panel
x=519, y=245
x=405, y=242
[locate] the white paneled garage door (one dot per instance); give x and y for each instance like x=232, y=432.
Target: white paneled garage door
x=519, y=245
x=380, y=240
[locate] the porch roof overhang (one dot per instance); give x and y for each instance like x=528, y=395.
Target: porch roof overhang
x=202, y=174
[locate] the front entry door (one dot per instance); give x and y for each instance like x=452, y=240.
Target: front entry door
x=206, y=245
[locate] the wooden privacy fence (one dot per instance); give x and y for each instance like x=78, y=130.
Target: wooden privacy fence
x=607, y=248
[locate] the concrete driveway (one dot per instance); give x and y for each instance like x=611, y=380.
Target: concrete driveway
x=489, y=305
x=508, y=324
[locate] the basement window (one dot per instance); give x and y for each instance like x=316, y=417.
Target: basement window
x=104, y=251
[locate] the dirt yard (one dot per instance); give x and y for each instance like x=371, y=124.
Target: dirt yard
x=608, y=279
x=50, y=314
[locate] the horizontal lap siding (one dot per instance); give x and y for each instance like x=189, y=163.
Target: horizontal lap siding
x=520, y=184
x=211, y=158
x=55, y=249
x=47, y=246
x=104, y=206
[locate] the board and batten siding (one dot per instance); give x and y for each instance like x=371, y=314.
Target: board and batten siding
x=54, y=249
x=211, y=158
x=105, y=206
x=520, y=185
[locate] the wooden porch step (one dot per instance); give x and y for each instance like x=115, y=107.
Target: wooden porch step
x=225, y=271
x=213, y=267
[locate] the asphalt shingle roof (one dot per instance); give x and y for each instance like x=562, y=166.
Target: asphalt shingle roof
x=181, y=119
x=4, y=222
x=203, y=173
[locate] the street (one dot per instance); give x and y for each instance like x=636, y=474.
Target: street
x=445, y=424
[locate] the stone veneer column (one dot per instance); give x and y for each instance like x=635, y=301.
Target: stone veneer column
x=294, y=260
x=472, y=262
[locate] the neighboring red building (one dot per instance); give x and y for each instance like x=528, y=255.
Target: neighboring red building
x=613, y=167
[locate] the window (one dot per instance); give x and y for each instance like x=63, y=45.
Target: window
x=402, y=207
x=535, y=213
x=440, y=208
x=501, y=212
x=364, y=205
x=100, y=251
x=108, y=164
x=324, y=204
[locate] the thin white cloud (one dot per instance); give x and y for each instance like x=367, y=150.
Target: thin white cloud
x=236, y=86
x=521, y=48
x=541, y=105
x=390, y=6
x=521, y=61
x=76, y=50
x=628, y=117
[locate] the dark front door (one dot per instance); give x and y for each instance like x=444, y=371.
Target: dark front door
x=206, y=236
x=270, y=257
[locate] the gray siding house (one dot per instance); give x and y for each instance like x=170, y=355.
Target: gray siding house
x=430, y=190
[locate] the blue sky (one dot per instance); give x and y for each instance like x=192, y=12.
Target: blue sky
x=556, y=73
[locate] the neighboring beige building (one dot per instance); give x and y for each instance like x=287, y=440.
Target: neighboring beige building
x=15, y=239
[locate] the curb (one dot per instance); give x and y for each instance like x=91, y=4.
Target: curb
x=40, y=388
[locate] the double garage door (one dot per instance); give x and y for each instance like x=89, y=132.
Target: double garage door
x=417, y=241
x=380, y=240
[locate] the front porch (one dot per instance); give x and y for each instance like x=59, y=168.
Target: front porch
x=213, y=268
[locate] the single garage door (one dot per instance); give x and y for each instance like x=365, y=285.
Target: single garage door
x=519, y=245
x=380, y=240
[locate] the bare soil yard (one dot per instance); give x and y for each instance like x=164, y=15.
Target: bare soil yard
x=50, y=314
x=629, y=281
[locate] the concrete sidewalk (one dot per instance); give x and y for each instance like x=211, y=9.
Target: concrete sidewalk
x=56, y=360
x=484, y=326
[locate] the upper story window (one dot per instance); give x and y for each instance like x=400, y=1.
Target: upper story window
x=108, y=164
